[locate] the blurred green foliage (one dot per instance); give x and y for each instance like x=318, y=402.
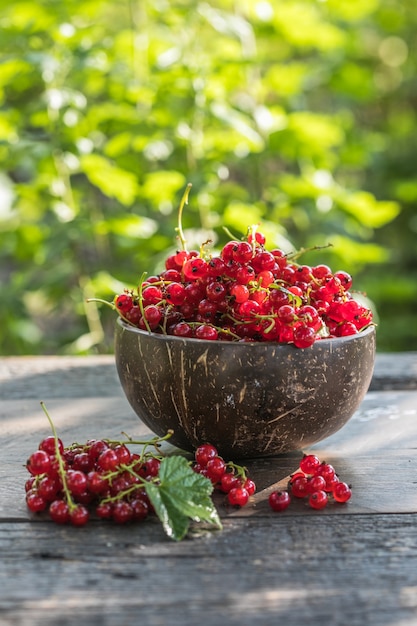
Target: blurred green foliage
x=299, y=114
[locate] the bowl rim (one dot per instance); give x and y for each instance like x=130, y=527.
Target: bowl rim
x=369, y=330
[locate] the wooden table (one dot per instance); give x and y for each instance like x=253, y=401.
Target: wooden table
x=353, y=564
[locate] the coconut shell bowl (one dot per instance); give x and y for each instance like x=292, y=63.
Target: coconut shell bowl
x=247, y=399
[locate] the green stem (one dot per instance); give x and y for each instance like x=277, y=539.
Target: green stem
x=61, y=466
x=142, y=310
x=155, y=441
x=113, y=307
x=184, y=201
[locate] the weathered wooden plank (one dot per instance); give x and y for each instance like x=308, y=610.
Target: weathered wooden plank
x=92, y=376
x=395, y=371
x=58, y=377
x=355, y=571
x=376, y=447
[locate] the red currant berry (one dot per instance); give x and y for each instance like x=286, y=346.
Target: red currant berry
x=342, y=492
x=123, y=453
x=215, y=291
x=240, y=293
x=104, y=510
x=152, y=295
x=30, y=483
x=39, y=463
x=345, y=279
x=309, y=463
x=95, y=448
x=228, y=481
x=182, y=329
x=250, y=486
x=316, y=483
x=238, y=496
x=123, y=303
x=151, y=466
x=79, y=516
x=122, y=512
x=279, y=500
x=48, y=488
x=216, y=467
x=228, y=250
x=152, y=315
x=175, y=293
x=318, y=500
x=108, y=460
x=204, y=453
x=140, y=509
x=195, y=268
x=35, y=502
x=82, y=462
x=76, y=481
x=242, y=252
x=59, y=512
x=304, y=336
x=327, y=471
x=48, y=445
x=299, y=487
x=209, y=333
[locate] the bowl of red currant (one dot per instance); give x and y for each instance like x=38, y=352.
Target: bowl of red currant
x=246, y=348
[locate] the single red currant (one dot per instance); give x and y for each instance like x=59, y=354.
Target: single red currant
x=204, y=453
x=299, y=488
x=39, y=463
x=318, y=500
x=35, y=502
x=122, y=512
x=76, y=481
x=79, y=516
x=108, y=460
x=279, y=500
x=250, y=486
x=59, y=512
x=228, y=481
x=238, y=496
x=49, y=446
x=316, y=483
x=140, y=509
x=342, y=492
x=216, y=467
x=309, y=463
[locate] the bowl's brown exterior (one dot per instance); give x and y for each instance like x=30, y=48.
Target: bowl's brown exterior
x=247, y=399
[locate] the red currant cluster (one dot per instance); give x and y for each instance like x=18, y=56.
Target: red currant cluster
x=315, y=481
x=99, y=475
x=227, y=477
x=245, y=293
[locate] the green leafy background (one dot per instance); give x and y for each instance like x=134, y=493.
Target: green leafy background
x=299, y=114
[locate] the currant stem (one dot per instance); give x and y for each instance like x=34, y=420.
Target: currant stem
x=110, y=304
x=155, y=441
x=297, y=253
x=61, y=467
x=142, y=310
x=239, y=469
x=184, y=201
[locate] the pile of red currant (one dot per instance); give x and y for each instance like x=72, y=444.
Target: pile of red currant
x=99, y=475
x=245, y=293
x=105, y=478
x=316, y=481
x=226, y=477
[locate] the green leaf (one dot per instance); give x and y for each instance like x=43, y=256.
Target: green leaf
x=111, y=180
x=181, y=496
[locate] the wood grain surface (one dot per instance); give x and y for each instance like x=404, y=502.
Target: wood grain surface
x=353, y=564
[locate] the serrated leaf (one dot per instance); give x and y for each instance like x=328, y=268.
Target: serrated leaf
x=181, y=496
